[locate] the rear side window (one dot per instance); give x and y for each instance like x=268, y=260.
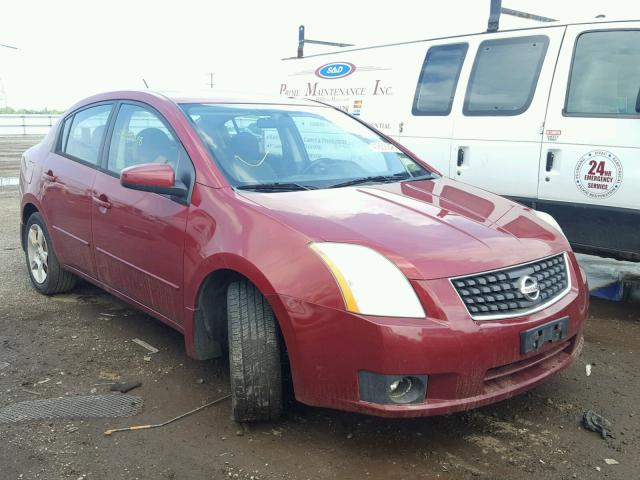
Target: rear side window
x=605, y=74
x=504, y=75
x=84, y=137
x=438, y=79
x=65, y=134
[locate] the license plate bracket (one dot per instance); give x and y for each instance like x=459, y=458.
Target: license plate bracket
x=533, y=339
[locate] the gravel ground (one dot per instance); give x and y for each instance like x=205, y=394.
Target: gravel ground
x=68, y=344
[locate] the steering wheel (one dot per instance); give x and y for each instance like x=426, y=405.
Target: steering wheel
x=323, y=166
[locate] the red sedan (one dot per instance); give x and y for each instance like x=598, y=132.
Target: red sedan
x=302, y=241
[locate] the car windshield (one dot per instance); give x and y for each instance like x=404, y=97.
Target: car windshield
x=278, y=148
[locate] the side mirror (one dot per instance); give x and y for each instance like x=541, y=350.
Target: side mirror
x=153, y=177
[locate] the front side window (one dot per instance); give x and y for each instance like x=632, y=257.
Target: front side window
x=83, y=138
x=140, y=136
x=438, y=79
x=504, y=76
x=302, y=147
x=605, y=75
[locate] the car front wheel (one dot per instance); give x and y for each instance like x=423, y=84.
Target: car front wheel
x=254, y=355
x=46, y=274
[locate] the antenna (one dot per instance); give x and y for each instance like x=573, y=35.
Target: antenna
x=496, y=9
x=302, y=41
x=145, y=83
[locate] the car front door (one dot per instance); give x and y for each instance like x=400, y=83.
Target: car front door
x=590, y=158
x=67, y=178
x=139, y=236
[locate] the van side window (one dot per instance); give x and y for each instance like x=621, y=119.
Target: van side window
x=605, y=74
x=504, y=76
x=85, y=135
x=439, y=79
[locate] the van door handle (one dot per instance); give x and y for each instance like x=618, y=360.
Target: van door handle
x=550, y=158
x=460, y=156
x=48, y=176
x=102, y=201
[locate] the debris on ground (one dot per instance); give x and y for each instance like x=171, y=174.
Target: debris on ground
x=587, y=369
x=144, y=344
x=124, y=387
x=597, y=423
x=199, y=381
x=157, y=425
x=611, y=461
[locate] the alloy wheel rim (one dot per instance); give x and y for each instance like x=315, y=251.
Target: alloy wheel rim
x=37, y=254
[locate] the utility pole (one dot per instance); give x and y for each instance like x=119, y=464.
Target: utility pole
x=211, y=84
x=3, y=94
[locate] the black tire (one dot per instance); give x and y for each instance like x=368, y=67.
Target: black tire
x=254, y=355
x=58, y=280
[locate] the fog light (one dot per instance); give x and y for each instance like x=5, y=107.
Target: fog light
x=392, y=389
x=400, y=387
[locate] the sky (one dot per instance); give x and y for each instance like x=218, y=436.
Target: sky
x=71, y=49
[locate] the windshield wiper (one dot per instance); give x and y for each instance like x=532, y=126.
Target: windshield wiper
x=402, y=176
x=275, y=187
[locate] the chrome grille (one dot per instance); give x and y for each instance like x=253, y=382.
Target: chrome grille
x=497, y=294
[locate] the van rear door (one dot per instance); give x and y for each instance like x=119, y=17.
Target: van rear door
x=497, y=133
x=590, y=157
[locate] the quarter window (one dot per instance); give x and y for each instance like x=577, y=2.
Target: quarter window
x=605, y=75
x=438, y=79
x=84, y=137
x=504, y=75
x=140, y=136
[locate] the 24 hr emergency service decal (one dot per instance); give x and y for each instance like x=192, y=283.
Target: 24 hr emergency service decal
x=598, y=174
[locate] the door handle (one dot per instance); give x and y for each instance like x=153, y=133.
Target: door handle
x=460, y=157
x=48, y=176
x=101, y=201
x=550, y=158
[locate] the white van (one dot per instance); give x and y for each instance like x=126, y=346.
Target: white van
x=548, y=116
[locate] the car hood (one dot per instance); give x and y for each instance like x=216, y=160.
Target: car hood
x=430, y=229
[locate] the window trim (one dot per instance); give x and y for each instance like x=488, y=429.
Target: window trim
x=532, y=90
x=58, y=149
x=565, y=113
x=432, y=113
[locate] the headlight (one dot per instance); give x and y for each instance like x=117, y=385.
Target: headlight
x=370, y=283
x=545, y=217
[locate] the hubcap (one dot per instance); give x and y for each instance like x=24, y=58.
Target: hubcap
x=37, y=253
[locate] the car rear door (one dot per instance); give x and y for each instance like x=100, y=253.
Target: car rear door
x=139, y=236
x=590, y=158
x=498, y=134
x=67, y=177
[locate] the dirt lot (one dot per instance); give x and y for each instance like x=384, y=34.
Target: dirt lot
x=84, y=338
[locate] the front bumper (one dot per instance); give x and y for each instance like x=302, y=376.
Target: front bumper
x=468, y=363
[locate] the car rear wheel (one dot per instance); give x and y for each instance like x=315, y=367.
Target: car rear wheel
x=46, y=274
x=254, y=355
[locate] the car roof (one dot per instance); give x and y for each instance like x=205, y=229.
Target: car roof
x=180, y=97
x=226, y=98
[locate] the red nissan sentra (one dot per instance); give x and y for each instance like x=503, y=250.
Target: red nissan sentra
x=302, y=240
